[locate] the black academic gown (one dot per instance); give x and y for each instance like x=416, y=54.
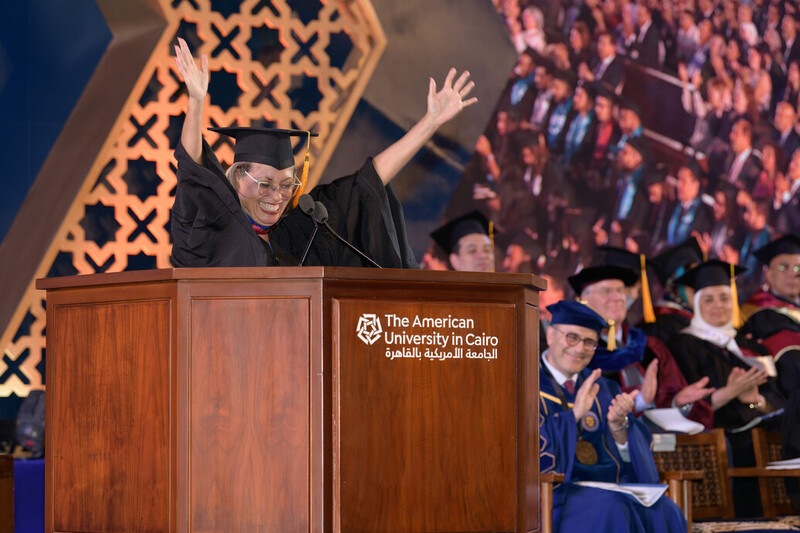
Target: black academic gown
x=697, y=358
x=209, y=227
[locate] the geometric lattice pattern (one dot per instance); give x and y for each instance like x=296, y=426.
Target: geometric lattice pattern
x=284, y=63
x=707, y=493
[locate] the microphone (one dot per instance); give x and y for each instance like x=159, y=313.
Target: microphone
x=321, y=217
x=307, y=206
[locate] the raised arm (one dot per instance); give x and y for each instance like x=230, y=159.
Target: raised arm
x=196, y=80
x=442, y=106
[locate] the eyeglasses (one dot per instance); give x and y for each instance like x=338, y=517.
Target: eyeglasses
x=605, y=292
x=789, y=269
x=573, y=339
x=285, y=190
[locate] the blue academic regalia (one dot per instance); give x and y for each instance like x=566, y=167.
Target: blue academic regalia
x=577, y=508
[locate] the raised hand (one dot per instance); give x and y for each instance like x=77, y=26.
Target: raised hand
x=584, y=397
x=650, y=385
x=694, y=392
x=449, y=101
x=196, y=79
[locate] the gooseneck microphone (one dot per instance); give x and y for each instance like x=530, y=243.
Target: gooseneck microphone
x=307, y=206
x=321, y=217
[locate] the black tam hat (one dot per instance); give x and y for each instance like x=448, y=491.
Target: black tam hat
x=593, y=274
x=788, y=244
x=269, y=146
x=448, y=235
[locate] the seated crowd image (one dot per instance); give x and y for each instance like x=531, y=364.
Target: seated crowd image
x=644, y=159
x=638, y=183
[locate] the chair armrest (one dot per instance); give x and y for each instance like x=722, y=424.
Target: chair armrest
x=756, y=471
x=680, y=475
x=546, y=484
x=551, y=477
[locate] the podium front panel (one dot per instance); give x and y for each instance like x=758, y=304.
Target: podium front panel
x=109, y=401
x=249, y=416
x=424, y=415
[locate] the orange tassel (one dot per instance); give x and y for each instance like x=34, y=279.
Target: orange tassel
x=737, y=315
x=647, y=301
x=304, y=175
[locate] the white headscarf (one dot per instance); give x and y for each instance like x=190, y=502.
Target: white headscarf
x=724, y=337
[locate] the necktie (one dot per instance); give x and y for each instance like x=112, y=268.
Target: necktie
x=570, y=386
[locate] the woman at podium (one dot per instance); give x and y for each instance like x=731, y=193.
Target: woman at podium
x=247, y=216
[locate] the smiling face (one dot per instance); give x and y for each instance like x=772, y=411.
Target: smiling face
x=607, y=298
x=716, y=305
x=568, y=359
x=264, y=204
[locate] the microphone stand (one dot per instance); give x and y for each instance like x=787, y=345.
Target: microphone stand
x=321, y=217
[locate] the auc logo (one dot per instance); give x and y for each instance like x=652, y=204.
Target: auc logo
x=369, y=328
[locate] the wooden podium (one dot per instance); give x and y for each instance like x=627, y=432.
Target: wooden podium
x=292, y=399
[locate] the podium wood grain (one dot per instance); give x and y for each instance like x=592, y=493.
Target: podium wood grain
x=212, y=400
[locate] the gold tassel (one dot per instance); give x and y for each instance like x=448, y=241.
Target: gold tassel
x=612, y=335
x=491, y=233
x=304, y=175
x=737, y=315
x=647, y=301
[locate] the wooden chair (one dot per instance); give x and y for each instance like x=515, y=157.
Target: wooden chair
x=546, y=482
x=710, y=493
x=774, y=498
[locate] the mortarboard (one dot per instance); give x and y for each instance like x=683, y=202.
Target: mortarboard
x=269, y=146
x=629, y=104
x=639, y=144
x=654, y=174
x=713, y=273
x=677, y=259
x=709, y=274
x=448, y=235
x=576, y=314
x=788, y=244
x=604, y=90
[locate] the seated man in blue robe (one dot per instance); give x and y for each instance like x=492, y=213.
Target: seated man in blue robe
x=586, y=432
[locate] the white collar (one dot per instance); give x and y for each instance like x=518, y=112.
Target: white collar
x=559, y=377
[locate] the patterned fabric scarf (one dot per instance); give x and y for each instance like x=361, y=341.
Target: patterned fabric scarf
x=258, y=228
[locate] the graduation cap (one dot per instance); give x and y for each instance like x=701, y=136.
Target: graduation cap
x=788, y=244
x=593, y=274
x=611, y=255
x=677, y=259
x=565, y=75
x=269, y=146
x=590, y=89
x=654, y=174
x=710, y=274
x=639, y=144
x=576, y=314
x=695, y=168
x=627, y=103
x=604, y=90
x=713, y=273
x=448, y=235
